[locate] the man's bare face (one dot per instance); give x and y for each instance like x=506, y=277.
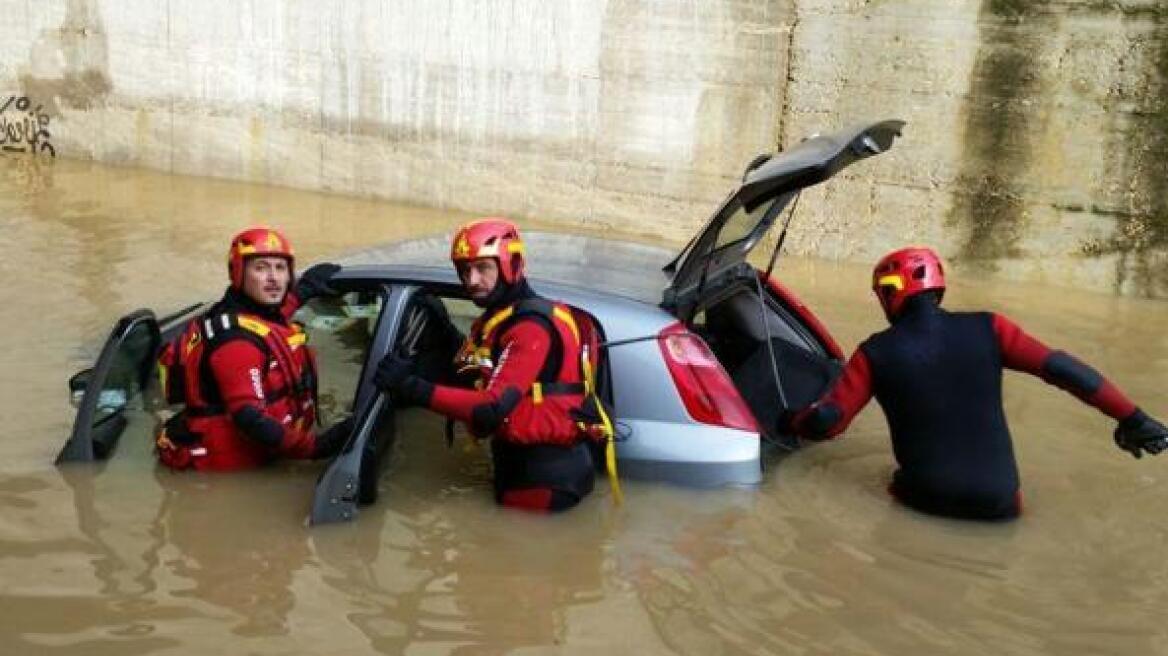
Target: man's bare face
x=266, y=279
x=479, y=277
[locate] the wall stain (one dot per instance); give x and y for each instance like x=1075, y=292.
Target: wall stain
x=1141, y=234
x=69, y=66
x=1004, y=102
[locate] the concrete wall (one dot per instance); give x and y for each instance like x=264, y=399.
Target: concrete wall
x=1035, y=147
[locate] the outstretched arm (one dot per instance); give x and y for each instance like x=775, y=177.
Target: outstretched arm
x=1022, y=352
x=1135, y=433
x=832, y=413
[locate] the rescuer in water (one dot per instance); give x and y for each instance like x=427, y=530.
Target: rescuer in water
x=244, y=370
x=938, y=377
x=533, y=359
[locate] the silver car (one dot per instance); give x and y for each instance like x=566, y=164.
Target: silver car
x=700, y=354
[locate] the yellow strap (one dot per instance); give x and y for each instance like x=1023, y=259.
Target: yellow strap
x=537, y=393
x=254, y=325
x=618, y=497
x=163, y=371
x=566, y=316
x=495, y=321
x=297, y=339
x=586, y=369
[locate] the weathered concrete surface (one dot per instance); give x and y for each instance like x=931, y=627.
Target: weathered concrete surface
x=1035, y=147
x=627, y=114
x=1036, y=139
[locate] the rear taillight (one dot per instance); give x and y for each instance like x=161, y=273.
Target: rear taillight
x=707, y=391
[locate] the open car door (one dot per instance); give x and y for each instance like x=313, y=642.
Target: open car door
x=103, y=392
x=717, y=255
x=351, y=479
x=416, y=325
x=125, y=368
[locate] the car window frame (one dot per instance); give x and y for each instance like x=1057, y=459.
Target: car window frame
x=80, y=445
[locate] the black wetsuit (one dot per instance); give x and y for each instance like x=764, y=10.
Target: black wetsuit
x=938, y=377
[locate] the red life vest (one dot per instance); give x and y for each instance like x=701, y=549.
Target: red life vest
x=551, y=412
x=206, y=436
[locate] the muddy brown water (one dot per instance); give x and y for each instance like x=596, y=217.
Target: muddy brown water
x=124, y=559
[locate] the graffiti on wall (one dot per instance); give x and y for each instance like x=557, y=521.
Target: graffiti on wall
x=24, y=129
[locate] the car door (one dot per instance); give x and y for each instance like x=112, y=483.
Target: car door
x=415, y=322
x=351, y=478
x=716, y=257
x=104, y=393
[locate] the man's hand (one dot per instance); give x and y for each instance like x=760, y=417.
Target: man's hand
x=314, y=281
x=395, y=375
x=329, y=442
x=392, y=372
x=1139, y=433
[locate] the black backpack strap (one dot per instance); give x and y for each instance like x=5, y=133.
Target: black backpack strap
x=217, y=330
x=541, y=310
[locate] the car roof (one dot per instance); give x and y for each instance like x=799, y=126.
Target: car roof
x=579, y=265
x=618, y=282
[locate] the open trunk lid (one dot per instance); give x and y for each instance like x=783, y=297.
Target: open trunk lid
x=716, y=254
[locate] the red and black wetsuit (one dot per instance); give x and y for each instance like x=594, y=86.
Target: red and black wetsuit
x=540, y=459
x=248, y=383
x=938, y=377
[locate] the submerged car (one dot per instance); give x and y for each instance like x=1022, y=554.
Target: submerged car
x=701, y=352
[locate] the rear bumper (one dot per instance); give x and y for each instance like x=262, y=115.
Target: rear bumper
x=692, y=455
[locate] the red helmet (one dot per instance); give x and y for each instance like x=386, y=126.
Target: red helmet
x=256, y=241
x=490, y=237
x=905, y=273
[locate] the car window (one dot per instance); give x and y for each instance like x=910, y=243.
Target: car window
x=432, y=332
x=103, y=394
x=462, y=313
x=741, y=223
x=340, y=330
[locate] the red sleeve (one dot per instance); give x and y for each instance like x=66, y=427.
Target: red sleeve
x=1022, y=352
x=832, y=413
x=238, y=367
x=525, y=347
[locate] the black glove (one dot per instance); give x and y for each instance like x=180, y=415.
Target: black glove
x=392, y=371
x=314, y=281
x=1139, y=432
x=329, y=442
x=395, y=375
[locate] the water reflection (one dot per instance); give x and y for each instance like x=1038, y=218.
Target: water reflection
x=101, y=579
x=440, y=567
x=241, y=557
